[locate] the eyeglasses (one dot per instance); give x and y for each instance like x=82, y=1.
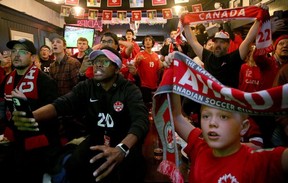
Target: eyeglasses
x=107, y=42
x=101, y=63
x=20, y=52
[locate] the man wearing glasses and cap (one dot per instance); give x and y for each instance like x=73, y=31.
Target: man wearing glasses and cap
x=31, y=153
x=117, y=120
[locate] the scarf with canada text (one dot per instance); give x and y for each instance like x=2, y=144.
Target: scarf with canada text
x=263, y=38
x=190, y=80
x=28, y=86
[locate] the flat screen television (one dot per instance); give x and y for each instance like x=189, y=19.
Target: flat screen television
x=72, y=33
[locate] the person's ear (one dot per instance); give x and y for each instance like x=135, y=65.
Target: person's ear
x=33, y=58
x=244, y=127
x=117, y=70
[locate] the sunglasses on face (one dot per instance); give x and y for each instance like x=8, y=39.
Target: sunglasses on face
x=107, y=42
x=20, y=52
x=101, y=63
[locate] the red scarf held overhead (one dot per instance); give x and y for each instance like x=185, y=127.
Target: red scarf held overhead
x=190, y=80
x=264, y=36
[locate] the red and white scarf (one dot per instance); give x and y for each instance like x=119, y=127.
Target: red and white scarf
x=27, y=84
x=190, y=80
x=264, y=36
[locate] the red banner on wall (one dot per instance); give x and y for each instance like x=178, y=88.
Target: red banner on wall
x=72, y=2
x=107, y=15
x=167, y=13
x=114, y=3
x=158, y=2
x=136, y=15
x=197, y=7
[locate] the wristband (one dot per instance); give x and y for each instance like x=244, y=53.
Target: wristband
x=124, y=148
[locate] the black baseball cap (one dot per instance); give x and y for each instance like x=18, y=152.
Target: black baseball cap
x=25, y=42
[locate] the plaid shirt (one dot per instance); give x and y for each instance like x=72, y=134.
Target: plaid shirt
x=65, y=73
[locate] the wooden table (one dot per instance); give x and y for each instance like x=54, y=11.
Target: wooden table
x=152, y=174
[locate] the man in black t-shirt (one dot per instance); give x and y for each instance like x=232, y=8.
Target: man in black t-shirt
x=45, y=58
x=223, y=66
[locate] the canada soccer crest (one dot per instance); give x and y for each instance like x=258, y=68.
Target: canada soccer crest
x=169, y=137
x=118, y=106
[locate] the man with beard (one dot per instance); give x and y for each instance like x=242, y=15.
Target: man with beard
x=117, y=120
x=31, y=153
x=65, y=69
x=223, y=66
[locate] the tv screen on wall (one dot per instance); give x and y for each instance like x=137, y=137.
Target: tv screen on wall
x=72, y=33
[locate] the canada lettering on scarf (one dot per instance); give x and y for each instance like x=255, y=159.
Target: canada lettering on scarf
x=264, y=35
x=194, y=82
x=222, y=14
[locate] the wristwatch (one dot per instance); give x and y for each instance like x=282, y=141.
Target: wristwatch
x=124, y=148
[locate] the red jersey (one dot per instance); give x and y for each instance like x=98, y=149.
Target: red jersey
x=269, y=69
x=148, y=69
x=136, y=49
x=249, y=78
x=244, y=166
x=128, y=58
x=234, y=45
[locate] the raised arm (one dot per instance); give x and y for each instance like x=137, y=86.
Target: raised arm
x=182, y=125
x=128, y=45
x=192, y=40
x=245, y=45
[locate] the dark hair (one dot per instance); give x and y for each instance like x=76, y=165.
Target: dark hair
x=44, y=46
x=201, y=28
x=130, y=30
x=110, y=34
x=148, y=36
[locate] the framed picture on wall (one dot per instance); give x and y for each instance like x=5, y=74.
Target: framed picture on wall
x=121, y=15
x=93, y=3
x=92, y=14
x=136, y=3
x=181, y=1
x=65, y=11
x=114, y=3
x=197, y=7
x=158, y=2
x=16, y=35
x=72, y=2
x=136, y=15
x=151, y=14
x=167, y=13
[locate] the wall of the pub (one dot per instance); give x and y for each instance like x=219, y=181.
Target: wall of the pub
x=35, y=9
x=274, y=5
x=14, y=20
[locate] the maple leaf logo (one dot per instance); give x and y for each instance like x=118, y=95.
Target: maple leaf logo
x=228, y=179
x=169, y=136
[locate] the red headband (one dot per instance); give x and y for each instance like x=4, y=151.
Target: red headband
x=285, y=36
